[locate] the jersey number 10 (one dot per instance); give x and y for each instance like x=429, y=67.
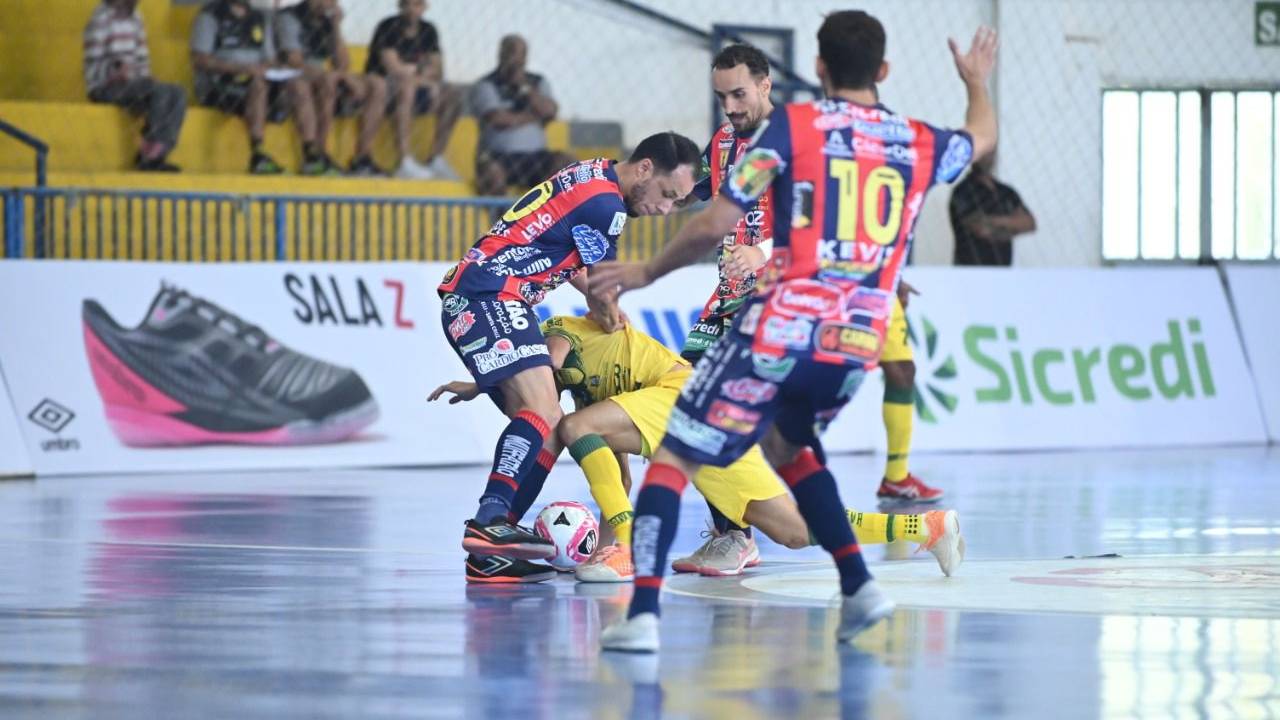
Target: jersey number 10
x=881, y=232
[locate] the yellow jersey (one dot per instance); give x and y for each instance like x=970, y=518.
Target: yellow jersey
x=601, y=365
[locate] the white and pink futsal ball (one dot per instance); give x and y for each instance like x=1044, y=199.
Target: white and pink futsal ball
x=573, y=529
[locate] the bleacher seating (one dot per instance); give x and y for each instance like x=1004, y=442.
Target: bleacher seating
x=42, y=92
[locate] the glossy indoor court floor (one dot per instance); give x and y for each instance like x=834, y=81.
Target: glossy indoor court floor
x=341, y=594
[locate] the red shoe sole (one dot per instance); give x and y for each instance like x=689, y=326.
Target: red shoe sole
x=510, y=580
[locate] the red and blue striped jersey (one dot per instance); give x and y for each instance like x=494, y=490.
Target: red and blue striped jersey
x=718, y=160
x=848, y=181
x=569, y=222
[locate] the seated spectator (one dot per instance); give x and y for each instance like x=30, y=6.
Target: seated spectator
x=232, y=52
x=117, y=70
x=309, y=36
x=406, y=51
x=513, y=106
x=986, y=215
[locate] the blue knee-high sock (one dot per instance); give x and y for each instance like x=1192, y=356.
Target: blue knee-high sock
x=653, y=531
x=815, y=491
x=518, y=448
x=531, y=486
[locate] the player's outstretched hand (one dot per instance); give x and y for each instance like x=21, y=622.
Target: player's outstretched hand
x=609, y=280
x=975, y=66
x=462, y=392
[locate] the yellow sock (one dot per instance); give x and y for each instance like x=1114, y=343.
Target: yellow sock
x=899, y=416
x=879, y=528
x=604, y=478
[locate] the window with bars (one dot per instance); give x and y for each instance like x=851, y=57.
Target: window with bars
x=1190, y=174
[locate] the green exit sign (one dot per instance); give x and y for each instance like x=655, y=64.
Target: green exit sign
x=1266, y=23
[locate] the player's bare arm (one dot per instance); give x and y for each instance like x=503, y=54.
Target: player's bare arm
x=975, y=68
x=697, y=238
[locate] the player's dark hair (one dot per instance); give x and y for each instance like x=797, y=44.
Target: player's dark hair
x=851, y=44
x=668, y=151
x=741, y=54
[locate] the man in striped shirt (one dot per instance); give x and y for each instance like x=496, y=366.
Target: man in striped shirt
x=117, y=70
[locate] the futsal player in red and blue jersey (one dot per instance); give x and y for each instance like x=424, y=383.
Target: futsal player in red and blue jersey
x=847, y=177
x=550, y=236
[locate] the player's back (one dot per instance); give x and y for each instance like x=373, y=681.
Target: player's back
x=601, y=364
x=854, y=187
x=851, y=180
x=567, y=222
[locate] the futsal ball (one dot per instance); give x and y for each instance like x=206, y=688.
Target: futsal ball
x=573, y=529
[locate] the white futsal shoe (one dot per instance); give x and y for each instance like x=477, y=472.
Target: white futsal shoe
x=727, y=554
x=638, y=634
x=861, y=610
x=945, y=541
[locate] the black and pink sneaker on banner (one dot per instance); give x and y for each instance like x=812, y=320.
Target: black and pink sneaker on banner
x=192, y=373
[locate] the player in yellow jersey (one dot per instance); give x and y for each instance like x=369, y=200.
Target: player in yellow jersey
x=624, y=385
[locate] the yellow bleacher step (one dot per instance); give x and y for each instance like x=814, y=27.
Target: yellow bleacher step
x=88, y=137
x=246, y=184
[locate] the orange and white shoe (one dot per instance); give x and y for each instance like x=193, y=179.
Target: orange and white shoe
x=945, y=541
x=608, y=564
x=909, y=489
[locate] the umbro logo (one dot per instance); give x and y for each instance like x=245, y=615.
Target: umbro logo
x=494, y=564
x=500, y=531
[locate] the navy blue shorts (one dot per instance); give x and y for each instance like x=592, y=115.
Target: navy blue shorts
x=495, y=338
x=734, y=395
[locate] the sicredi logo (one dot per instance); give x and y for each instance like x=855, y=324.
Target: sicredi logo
x=939, y=373
x=1066, y=376
x=1001, y=368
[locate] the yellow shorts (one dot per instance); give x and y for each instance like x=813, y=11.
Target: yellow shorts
x=730, y=489
x=896, y=346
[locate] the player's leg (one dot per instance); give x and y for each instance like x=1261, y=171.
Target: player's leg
x=898, y=411
x=937, y=531
x=814, y=389
x=702, y=430
x=729, y=492
x=595, y=436
x=507, y=355
x=534, y=410
x=705, y=333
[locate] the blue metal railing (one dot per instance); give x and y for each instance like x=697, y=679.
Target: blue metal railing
x=42, y=172
x=151, y=225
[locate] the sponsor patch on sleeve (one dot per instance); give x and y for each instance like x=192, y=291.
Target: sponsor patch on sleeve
x=591, y=243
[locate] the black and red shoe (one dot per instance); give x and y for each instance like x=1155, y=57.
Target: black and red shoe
x=496, y=569
x=507, y=539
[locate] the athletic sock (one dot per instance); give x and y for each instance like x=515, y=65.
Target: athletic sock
x=518, y=448
x=899, y=415
x=815, y=492
x=657, y=512
x=879, y=528
x=531, y=486
x=604, y=478
x=723, y=524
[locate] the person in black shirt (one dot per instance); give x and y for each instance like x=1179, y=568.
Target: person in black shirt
x=309, y=36
x=406, y=51
x=986, y=215
x=514, y=106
